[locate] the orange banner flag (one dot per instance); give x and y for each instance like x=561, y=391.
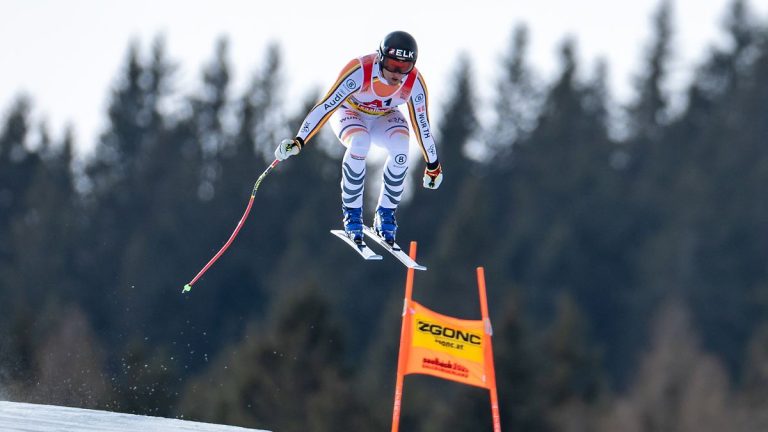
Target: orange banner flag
x=446, y=347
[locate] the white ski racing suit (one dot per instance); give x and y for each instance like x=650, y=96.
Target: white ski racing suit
x=362, y=109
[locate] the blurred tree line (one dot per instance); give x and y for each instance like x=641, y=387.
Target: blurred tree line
x=625, y=247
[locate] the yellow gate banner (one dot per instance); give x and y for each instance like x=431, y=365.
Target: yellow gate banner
x=446, y=347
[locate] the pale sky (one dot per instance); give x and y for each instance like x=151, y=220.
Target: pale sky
x=66, y=54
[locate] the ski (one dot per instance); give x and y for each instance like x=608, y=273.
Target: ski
x=361, y=249
x=395, y=250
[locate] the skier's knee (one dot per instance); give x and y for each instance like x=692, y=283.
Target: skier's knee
x=359, y=144
x=398, y=143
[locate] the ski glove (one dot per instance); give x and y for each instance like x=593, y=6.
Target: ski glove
x=433, y=175
x=288, y=148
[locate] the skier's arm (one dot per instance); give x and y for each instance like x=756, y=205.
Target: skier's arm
x=419, y=113
x=349, y=81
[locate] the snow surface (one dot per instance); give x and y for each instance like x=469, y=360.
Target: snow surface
x=24, y=417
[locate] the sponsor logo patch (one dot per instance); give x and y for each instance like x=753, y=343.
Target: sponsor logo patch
x=400, y=53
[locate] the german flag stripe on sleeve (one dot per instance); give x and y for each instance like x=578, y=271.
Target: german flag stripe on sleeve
x=414, y=120
x=426, y=92
x=351, y=67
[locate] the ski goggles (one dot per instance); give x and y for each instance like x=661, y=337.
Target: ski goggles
x=396, y=66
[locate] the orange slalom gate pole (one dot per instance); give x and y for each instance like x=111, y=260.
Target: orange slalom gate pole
x=405, y=336
x=491, y=373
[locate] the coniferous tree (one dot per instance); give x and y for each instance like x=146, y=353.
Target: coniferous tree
x=17, y=167
x=129, y=113
x=517, y=108
x=651, y=155
x=572, y=377
x=149, y=232
x=210, y=106
x=44, y=237
x=459, y=124
x=647, y=114
x=516, y=103
x=573, y=373
x=727, y=167
x=563, y=234
x=120, y=185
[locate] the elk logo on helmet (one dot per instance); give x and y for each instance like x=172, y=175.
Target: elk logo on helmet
x=401, y=54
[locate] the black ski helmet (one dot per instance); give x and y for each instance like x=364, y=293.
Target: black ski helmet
x=399, y=45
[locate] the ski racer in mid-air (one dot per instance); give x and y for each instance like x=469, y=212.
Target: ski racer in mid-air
x=362, y=109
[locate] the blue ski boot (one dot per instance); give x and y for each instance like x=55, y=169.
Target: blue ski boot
x=353, y=223
x=385, y=225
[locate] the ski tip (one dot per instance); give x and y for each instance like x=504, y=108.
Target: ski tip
x=419, y=267
x=187, y=288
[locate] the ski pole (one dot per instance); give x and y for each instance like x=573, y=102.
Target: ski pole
x=188, y=287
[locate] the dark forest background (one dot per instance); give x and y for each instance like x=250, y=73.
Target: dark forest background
x=625, y=246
